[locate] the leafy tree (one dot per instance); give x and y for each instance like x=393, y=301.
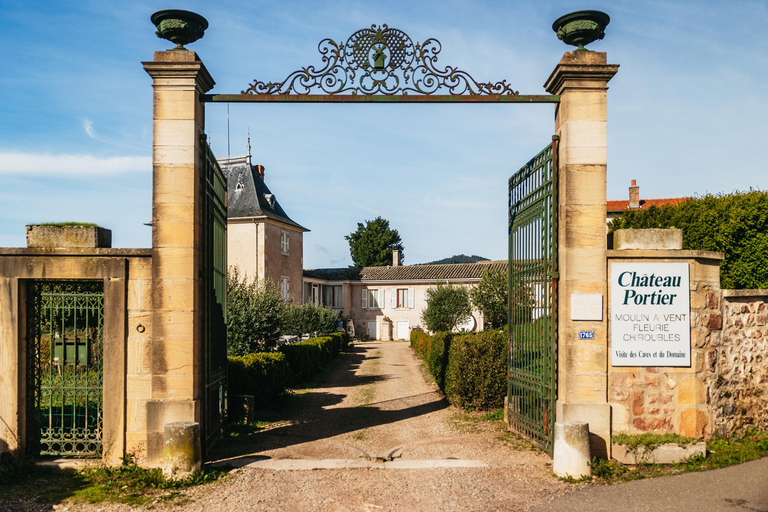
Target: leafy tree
x=308, y=318
x=491, y=295
x=735, y=224
x=447, y=305
x=371, y=245
x=254, y=310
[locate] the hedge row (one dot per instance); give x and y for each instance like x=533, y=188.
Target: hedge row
x=266, y=375
x=306, y=357
x=470, y=368
x=263, y=375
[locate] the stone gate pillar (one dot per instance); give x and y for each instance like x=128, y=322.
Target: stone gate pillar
x=174, y=389
x=581, y=79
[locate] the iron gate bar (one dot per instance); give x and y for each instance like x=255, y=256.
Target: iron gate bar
x=214, y=292
x=532, y=377
x=65, y=362
x=356, y=98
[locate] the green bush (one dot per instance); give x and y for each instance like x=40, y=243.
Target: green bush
x=308, y=318
x=418, y=339
x=254, y=310
x=306, y=357
x=263, y=375
x=437, y=357
x=476, y=375
x=735, y=224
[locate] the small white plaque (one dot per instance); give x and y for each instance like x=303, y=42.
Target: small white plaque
x=587, y=306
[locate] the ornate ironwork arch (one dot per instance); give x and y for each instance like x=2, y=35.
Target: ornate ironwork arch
x=380, y=64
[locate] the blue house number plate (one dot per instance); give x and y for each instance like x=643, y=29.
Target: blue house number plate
x=586, y=335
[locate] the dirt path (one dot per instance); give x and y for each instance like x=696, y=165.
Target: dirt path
x=332, y=451
x=376, y=402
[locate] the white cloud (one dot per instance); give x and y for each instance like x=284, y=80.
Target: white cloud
x=88, y=126
x=23, y=164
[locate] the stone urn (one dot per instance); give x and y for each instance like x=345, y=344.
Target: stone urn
x=581, y=28
x=180, y=27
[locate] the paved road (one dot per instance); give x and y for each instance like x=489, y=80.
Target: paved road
x=733, y=489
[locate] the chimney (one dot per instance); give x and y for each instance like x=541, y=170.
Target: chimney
x=260, y=171
x=634, y=195
x=395, y=258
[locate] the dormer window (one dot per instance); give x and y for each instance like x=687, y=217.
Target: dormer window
x=270, y=199
x=239, y=185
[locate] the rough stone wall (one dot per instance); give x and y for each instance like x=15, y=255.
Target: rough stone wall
x=739, y=392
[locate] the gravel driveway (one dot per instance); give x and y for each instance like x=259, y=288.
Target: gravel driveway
x=386, y=440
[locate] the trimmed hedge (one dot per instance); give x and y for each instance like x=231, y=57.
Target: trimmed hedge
x=437, y=356
x=306, y=357
x=477, y=370
x=420, y=342
x=264, y=375
x=470, y=368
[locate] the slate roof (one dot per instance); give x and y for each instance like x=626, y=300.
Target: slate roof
x=248, y=195
x=620, y=206
x=407, y=272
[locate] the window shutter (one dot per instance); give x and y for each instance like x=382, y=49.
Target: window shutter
x=365, y=299
x=411, y=298
x=382, y=304
x=393, y=299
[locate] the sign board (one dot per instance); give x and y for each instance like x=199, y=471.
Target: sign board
x=586, y=335
x=587, y=306
x=650, y=314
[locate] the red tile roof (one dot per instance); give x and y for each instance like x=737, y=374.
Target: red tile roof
x=620, y=206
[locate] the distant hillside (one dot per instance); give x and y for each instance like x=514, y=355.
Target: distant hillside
x=459, y=258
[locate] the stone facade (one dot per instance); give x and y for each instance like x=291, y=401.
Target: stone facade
x=739, y=389
x=262, y=241
x=400, y=292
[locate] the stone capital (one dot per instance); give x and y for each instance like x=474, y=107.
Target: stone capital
x=581, y=70
x=179, y=65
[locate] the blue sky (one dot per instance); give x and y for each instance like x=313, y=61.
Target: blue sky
x=687, y=113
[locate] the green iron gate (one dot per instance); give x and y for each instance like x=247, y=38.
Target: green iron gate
x=214, y=292
x=64, y=367
x=532, y=367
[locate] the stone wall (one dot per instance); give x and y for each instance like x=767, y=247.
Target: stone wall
x=739, y=391
x=673, y=399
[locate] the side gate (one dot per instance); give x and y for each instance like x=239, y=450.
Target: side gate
x=532, y=364
x=64, y=368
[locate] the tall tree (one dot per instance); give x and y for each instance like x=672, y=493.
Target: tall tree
x=371, y=245
x=447, y=306
x=490, y=296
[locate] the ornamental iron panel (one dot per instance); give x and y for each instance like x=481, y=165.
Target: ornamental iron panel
x=64, y=367
x=214, y=293
x=380, y=64
x=532, y=365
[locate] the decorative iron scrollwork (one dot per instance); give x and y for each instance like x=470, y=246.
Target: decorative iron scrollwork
x=379, y=61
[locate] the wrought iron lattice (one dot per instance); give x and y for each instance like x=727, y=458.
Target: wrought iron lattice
x=380, y=61
x=64, y=372
x=214, y=291
x=532, y=368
